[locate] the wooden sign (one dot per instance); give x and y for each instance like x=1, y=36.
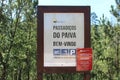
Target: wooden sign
x=61, y=30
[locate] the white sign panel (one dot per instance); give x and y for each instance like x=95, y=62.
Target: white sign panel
x=63, y=33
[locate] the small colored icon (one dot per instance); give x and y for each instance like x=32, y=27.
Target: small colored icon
x=56, y=51
x=64, y=51
x=72, y=51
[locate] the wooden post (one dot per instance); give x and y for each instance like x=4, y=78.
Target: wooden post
x=86, y=75
x=40, y=76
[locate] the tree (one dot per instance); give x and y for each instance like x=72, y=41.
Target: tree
x=116, y=39
x=18, y=40
x=116, y=11
x=106, y=51
x=94, y=19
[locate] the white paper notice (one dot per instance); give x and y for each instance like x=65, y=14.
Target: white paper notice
x=63, y=33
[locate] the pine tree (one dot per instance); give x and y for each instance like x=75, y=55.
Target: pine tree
x=116, y=11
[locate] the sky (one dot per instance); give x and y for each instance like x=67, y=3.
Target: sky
x=100, y=7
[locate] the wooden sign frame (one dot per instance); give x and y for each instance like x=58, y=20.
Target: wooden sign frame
x=40, y=34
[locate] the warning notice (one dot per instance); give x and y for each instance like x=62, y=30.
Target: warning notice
x=84, y=59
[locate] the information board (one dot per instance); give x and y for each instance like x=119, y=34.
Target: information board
x=63, y=33
x=61, y=30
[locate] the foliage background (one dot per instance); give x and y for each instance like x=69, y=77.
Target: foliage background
x=18, y=29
